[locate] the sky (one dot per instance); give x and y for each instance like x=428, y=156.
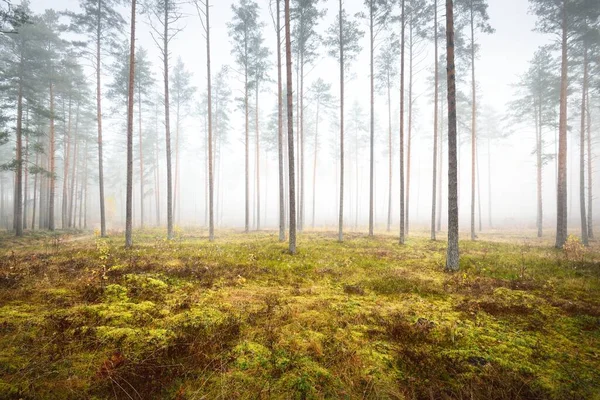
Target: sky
x=503, y=57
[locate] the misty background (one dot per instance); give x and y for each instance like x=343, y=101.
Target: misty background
x=506, y=164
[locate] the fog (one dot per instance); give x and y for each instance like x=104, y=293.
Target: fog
x=506, y=181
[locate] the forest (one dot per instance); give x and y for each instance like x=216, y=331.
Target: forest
x=299, y=199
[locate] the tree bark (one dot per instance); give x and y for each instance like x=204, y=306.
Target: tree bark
x=390, y=152
x=280, y=129
x=409, y=135
x=52, y=163
x=452, y=258
x=67, y=155
x=402, y=220
x=473, y=125
x=372, y=121
x=489, y=183
x=435, y=119
x=74, y=171
x=290, y=122
x=341, y=209
x=99, y=117
x=257, y=159
x=538, y=131
x=141, y=150
x=18, y=214
x=211, y=186
x=167, y=123
x=584, y=222
x=590, y=169
x=561, y=192
x=130, y=100
x=247, y=141
x=26, y=170
x=35, y=188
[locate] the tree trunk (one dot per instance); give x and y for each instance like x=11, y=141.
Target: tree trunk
x=35, y=188
x=440, y=171
x=280, y=129
x=290, y=122
x=157, y=178
x=372, y=122
x=410, y=105
x=341, y=209
x=141, y=149
x=247, y=143
x=561, y=193
x=99, y=117
x=211, y=222
x=478, y=188
x=52, y=163
x=435, y=120
x=402, y=220
x=18, y=200
x=473, y=125
x=390, y=153
x=489, y=183
x=301, y=207
x=590, y=169
x=26, y=170
x=357, y=191
x=130, y=92
x=584, y=227
x=74, y=172
x=168, y=124
x=538, y=131
x=67, y=155
x=257, y=160
x=314, y=188
x=452, y=260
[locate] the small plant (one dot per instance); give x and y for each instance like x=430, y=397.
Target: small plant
x=574, y=249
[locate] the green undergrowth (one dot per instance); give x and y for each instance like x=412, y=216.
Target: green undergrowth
x=240, y=318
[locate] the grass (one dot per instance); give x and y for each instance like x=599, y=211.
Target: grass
x=81, y=317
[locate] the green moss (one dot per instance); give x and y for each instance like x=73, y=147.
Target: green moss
x=241, y=318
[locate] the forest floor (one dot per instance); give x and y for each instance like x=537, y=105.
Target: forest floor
x=81, y=317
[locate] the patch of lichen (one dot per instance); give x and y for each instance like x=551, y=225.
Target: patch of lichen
x=241, y=318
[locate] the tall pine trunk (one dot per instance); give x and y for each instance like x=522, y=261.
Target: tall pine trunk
x=290, y=122
x=390, y=152
x=372, y=121
x=52, y=160
x=314, y=188
x=247, y=141
x=99, y=117
x=452, y=258
x=435, y=119
x=280, y=130
x=341, y=209
x=18, y=214
x=561, y=192
x=409, y=133
x=402, y=220
x=256, y=126
x=130, y=92
x=168, y=123
x=141, y=150
x=473, y=125
x=74, y=171
x=211, y=185
x=584, y=222
x=590, y=169
x=65, y=188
